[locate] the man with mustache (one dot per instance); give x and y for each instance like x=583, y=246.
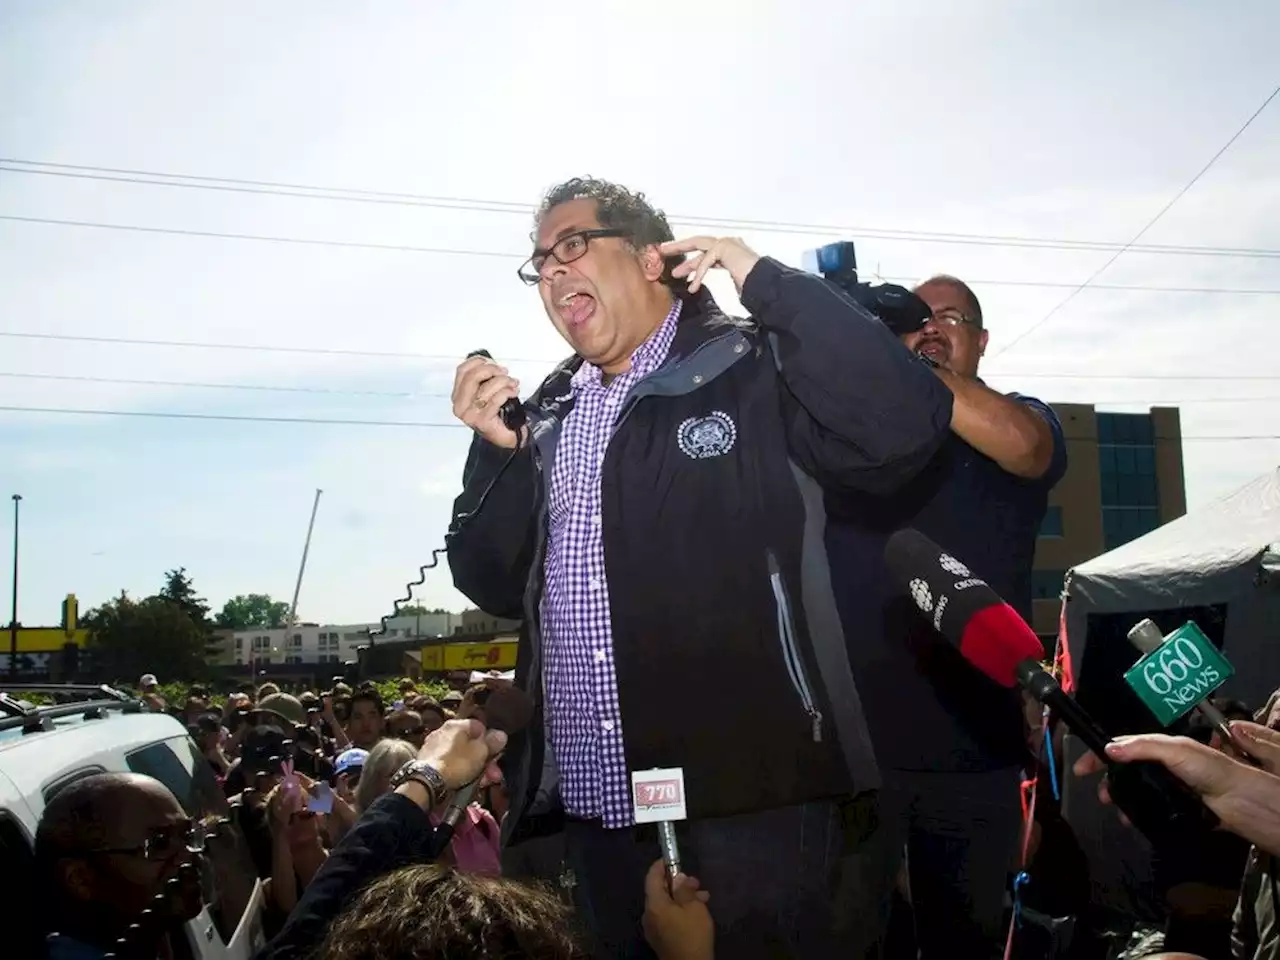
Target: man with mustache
x=949, y=741
x=660, y=518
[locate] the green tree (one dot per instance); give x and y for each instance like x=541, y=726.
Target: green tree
x=179, y=590
x=254, y=611
x=155, y=635
x=417, y=610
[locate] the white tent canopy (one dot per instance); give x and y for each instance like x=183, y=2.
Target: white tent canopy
x=1226, y=553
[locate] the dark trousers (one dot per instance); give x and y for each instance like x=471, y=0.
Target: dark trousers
x=772, y=878
x=960, y=834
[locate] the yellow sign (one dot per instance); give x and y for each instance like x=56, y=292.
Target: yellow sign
x=432, y=658
x=498, y=655
x=43, y=639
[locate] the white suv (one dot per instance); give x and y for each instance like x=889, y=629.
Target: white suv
x=42, y=749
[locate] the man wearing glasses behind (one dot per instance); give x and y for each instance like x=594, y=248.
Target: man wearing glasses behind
x=949, y=741
x=107, y=847
x=661, y=518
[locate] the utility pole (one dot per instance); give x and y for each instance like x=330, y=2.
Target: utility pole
x=302, y=568
x=13, y=615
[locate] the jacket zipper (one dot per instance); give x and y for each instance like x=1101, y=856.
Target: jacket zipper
x=790, y=652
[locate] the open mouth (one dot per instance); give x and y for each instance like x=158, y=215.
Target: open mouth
x=935, y=350
x=576, y=307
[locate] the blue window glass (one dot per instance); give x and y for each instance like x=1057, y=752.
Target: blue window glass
x=1144, y=430
x=1106, y=458
x=1148, y=492
x=1123, y=524
x=1108, y=485
x=1106, y=422
x=1145, y=458
x=1051, y=525
x=1126, y=462
x=1131, y=490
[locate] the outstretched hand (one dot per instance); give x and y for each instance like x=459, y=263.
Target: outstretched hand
x=677, y=923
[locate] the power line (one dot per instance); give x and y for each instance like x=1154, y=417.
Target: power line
x=305, y=241
x=173, y=415
x=356, y=195
x=122, y=381
x=462, y=252
x=455, y=359
x=253, y=348
x=1141, y=233
x=236, y=418
x=411, y=395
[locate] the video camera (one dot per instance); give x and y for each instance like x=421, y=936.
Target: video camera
x=896, y=307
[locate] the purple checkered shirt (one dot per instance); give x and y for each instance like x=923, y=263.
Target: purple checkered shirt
x=581, y=687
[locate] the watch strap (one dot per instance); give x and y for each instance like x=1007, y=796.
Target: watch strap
x=423, y=773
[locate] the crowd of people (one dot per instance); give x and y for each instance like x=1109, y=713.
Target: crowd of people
x=342, y=844
x=693, y=495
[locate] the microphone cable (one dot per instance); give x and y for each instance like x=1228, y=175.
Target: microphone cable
x=515, y=419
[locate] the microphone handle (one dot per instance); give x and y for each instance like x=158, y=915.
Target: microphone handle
x=511, y=412
x=670, y=850
x=1161, y=806
x=443, y=833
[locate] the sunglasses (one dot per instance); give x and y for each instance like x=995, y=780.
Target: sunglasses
x=165, y=842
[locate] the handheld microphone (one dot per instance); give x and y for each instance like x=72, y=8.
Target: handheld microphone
x=507, y=708
x=511, y=412
x=1147, y=638
x=995, y=639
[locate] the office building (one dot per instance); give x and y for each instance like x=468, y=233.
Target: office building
x=1124, y=478
x=310, y=643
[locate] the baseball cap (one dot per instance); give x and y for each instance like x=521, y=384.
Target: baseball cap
x=452, y=698
x=289, y=708
x=148, y=680
x=350, y=759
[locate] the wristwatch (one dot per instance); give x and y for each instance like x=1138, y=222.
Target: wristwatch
x=423, y=773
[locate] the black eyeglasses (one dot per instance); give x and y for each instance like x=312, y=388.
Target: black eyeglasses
x=565, y=250
x=165, y=842
x=953, y=318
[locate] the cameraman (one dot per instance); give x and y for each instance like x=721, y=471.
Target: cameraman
x=949, y=741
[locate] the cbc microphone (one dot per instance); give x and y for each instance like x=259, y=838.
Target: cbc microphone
x=994, y=638
x=1146, y=637
x=507, y=708
x=511, y=412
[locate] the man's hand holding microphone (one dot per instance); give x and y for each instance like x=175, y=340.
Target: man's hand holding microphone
x=459, y=752
x=481, y=386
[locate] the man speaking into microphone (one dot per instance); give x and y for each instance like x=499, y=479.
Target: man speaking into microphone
x=949, y=741
x=658, y=521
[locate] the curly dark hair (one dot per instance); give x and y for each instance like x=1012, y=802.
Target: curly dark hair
x=617, y=208
x=372, y=696
x=429, y=912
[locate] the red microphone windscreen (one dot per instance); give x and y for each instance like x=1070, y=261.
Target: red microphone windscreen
x=961, y=606
x=996, y=640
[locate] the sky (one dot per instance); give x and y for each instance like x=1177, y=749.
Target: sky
x=792, y=124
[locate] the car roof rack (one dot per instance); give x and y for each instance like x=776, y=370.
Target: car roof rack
x=93, y=701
